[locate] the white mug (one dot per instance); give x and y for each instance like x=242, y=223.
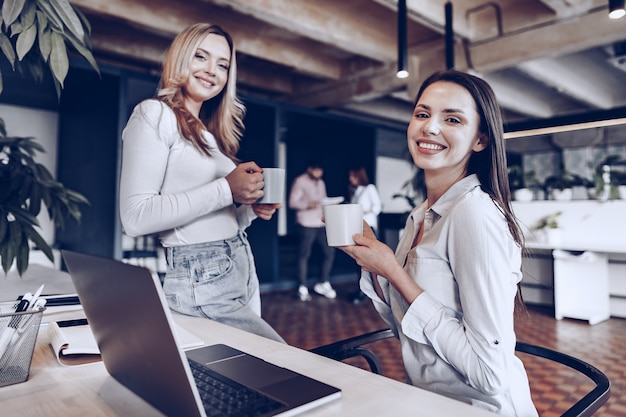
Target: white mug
x=342, y=222
x=274, y=188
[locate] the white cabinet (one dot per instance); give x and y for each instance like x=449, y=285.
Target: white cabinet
x=581, y=286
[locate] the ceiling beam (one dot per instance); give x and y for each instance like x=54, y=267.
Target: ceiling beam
x=566, y=8
x=327, y=22
x=568, y=80
x=562, y=37
x=169, y=18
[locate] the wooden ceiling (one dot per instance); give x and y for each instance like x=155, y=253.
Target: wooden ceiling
x=544, y=58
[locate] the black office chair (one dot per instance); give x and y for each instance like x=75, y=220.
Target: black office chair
x=586, y=406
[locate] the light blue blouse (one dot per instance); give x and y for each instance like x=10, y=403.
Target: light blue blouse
x=458, y=337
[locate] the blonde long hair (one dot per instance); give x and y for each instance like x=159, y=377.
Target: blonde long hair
x=222, y=115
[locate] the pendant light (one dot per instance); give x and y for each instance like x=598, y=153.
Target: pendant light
x=616, y=9
x=403, y=71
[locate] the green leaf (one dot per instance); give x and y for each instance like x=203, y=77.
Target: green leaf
x=11, y=9
x=6, y=256
x=23, y=217
x=59, y=63
x=85, y=23
x=23, y=251
x=4, y=225
x=7, y=49
x=65, y=11
x=57, y=87
x=16, y=28
x=50, y=13
x=27, y=17
x=83, y=50
x=25, y=41
x=39, y=242
x=34, y=206
x=8, y=249
x=44, y=36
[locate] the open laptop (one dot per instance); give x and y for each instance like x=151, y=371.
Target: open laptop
x=126, y=309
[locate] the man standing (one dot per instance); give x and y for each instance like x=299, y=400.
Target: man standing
x=307, y=195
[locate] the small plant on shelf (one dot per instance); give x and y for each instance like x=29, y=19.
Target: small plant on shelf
x=609, y=175
x=551, y=221
x=549, y=228
x=523, y=184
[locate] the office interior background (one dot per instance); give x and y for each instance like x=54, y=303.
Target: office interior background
x=319, y=78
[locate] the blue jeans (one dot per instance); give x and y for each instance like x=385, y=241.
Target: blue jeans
x=217, y=280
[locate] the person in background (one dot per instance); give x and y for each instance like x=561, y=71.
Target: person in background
x=364, y=193
x=450, y=290
x=181, y=178
x=306, y=198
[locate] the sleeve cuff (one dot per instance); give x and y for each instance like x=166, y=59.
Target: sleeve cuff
x=418, y=315
x=225, y=192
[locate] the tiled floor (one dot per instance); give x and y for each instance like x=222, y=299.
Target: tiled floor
x=554, y=388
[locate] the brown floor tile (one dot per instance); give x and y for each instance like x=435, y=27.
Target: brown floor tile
x=554, y=387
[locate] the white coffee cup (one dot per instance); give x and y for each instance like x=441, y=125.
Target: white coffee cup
x=274, y=188
x=342, y=222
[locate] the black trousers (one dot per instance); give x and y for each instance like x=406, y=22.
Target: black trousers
x=309, y=235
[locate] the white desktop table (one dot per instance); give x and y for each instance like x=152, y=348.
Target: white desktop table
x=53, y=390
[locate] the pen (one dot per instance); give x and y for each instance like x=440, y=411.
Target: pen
x=37, y=294
x=24, y=302
x=12, y=339
x=38, y=306
x=14, y=321
x=21, y=306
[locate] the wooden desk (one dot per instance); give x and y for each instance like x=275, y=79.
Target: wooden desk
x=56, y=391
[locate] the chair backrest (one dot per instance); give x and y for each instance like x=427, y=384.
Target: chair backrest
x=584, y=407
x=595, y=398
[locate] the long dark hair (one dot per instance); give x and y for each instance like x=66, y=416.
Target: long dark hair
x=489, y=165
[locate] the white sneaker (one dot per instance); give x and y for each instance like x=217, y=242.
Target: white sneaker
x=324, y=288
x=303, y=293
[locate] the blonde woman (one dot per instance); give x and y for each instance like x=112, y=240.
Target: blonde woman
x=181, y=179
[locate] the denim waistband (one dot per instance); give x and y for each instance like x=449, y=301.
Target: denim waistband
x=233, y=243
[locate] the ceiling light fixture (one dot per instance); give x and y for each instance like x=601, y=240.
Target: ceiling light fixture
x=449, y=36
x=402, y=50
x=564, y=128
x=616, y=9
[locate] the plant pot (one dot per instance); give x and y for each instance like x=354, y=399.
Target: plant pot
x=523, y=195
x=553, y=236
x=592, y=193
x=561, y=195
x=579, y=192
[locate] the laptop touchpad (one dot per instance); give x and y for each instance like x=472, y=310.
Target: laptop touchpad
x=251, y=371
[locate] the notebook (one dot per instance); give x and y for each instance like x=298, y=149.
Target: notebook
x=132, y=324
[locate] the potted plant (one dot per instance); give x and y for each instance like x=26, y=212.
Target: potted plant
x=619, y=178
x=560, y=186
x=25, y=187
x=517, y=183
x=413, y=189
x=549, y=227
x=34, y=35
x=609, y=175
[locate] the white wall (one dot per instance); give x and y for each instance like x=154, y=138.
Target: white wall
x=391, y=174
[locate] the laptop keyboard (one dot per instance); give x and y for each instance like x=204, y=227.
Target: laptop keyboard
x=224, y=397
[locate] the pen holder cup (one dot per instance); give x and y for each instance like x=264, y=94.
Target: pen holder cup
x=18, y=334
